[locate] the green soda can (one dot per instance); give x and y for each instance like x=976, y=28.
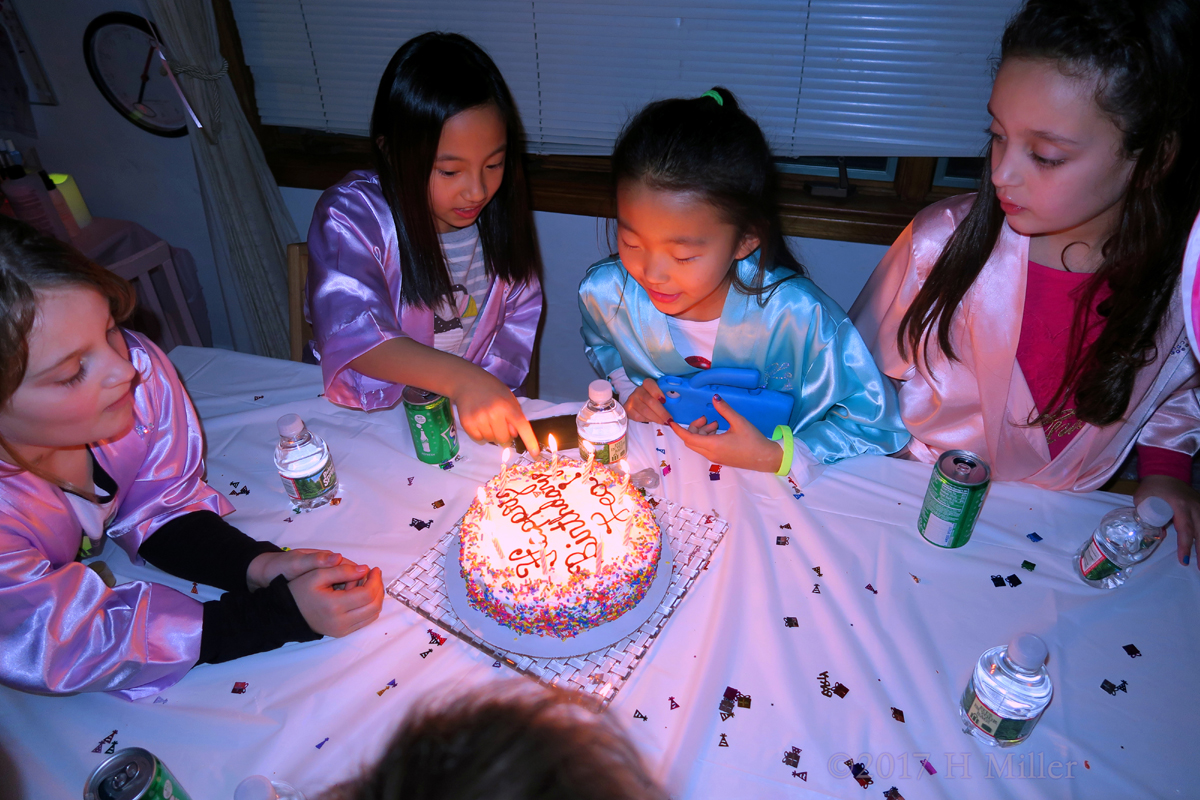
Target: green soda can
x=133, y=774
x=432, y=424
x=955, y=495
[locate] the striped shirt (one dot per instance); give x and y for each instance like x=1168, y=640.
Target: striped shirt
x=454, y=323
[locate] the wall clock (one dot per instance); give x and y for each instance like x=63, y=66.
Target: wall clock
x=124, y=59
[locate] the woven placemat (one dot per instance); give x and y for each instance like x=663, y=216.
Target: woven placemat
x=693, y=539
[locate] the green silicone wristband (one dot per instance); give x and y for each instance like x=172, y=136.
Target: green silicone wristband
x=783, y=434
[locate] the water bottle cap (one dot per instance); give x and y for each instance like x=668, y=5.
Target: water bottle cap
x=1155, y=511
x=1028, y=652
x=290, y=425
x=600, y=391
x=256, y=787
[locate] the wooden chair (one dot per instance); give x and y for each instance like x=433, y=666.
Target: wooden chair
x=176, y=327
x=300, y=331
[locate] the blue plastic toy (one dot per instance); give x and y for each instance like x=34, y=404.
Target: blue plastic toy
x=688, y=399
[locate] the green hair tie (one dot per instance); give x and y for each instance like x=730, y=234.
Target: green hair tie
x=715, y=95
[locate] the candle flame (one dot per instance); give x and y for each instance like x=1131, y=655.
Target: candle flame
x=553, y=444
x=505, y=456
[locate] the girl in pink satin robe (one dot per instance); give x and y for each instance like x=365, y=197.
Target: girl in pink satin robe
x=425, y=271
x=98, y=441
x=1037, y=323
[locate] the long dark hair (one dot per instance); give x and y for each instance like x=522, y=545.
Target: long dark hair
x=431, y=78
x=505, y=744
x=713, y=149
x=1137, y=52
x=29, y=262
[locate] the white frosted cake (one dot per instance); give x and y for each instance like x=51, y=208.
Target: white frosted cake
x=557, y=550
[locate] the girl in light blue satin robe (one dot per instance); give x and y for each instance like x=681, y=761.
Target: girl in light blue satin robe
x=704, y=279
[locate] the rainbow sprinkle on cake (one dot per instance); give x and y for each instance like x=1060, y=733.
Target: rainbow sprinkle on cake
x=556, y=550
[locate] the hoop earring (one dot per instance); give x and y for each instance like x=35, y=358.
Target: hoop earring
x=1063, y=255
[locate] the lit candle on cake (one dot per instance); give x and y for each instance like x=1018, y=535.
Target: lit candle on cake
x=504, y=457
x=481, y=496
x=553, y=453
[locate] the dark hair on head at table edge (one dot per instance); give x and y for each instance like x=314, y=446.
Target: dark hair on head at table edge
x=715, y=151
x=1140, y=53
x=510, y=742
x=431, y=78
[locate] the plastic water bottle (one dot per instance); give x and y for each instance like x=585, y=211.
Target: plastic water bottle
x=1126, y=536
x=602, y=425
x=304, y=464
x=1007, y=693
x=260, y=787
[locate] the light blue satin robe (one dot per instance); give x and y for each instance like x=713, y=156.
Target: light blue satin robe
x=800, y=341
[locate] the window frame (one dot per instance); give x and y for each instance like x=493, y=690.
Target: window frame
x=876, y=213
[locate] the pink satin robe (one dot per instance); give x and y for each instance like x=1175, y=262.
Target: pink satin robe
x=981, y=403
x=353, y=299
x=61, y=629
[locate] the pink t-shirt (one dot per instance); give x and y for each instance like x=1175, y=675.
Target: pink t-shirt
x=1050, y=300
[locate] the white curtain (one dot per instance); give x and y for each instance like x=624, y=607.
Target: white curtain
x=248, y=223
x=822, y=77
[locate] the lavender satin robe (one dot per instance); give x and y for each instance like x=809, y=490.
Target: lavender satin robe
x=982, y=402
x=61, y=629
x=353, y=299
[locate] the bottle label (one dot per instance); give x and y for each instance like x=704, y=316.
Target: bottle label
x=604, y=452
x=312, y=486
x=1002, y=729
x=1094, y=564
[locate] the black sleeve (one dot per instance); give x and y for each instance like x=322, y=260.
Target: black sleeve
x=243, y=623
x=204, y=548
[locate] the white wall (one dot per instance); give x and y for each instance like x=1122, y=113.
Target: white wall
x=122, y=171
x=571, y=243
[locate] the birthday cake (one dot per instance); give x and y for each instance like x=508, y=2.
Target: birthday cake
x=554, y=550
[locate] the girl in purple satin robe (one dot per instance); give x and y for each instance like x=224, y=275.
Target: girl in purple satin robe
x=98, y=441
x=425, y=271
x=1038, y=322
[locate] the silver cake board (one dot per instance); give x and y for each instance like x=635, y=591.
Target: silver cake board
x=694, y=537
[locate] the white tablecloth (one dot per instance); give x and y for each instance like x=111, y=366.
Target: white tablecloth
x=312, y=714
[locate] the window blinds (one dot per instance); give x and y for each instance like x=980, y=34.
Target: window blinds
x=822, y=77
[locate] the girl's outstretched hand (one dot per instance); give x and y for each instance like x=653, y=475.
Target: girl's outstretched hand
x=333, y=611
x=266, y=567
x=646, y=404
x=742, y=446
x=489, y=412
x=1184, y=501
